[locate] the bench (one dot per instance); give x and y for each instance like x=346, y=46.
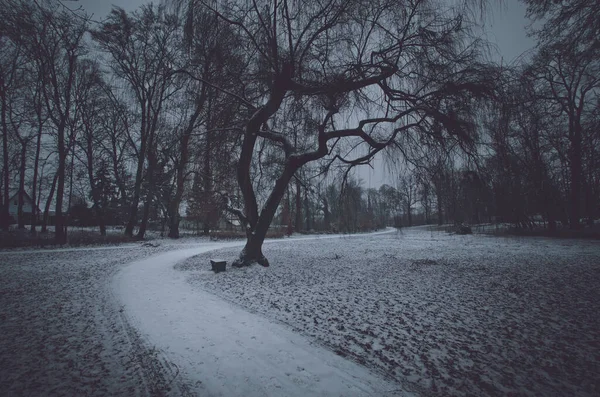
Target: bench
x=218, y=265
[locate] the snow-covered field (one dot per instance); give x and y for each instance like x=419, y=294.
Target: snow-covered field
x=63, y=333
x=441, y=314
x=437, y=314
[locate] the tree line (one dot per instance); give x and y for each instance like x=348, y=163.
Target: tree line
x=115, y=114
x=248, y=107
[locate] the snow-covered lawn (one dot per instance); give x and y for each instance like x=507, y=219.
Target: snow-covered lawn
x=439, y=314
x=442, y=314
x=63, y=333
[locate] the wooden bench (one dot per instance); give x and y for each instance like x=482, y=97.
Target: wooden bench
x=218, y=265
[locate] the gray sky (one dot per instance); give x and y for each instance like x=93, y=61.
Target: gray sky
x=505, y=28
x=100, y=8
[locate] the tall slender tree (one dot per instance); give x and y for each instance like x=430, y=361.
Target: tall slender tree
x=53, y=39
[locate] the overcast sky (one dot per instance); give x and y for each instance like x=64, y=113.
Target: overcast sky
x=505, y=27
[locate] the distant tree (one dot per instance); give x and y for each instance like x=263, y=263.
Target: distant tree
x=12, y=59
x=568, y=79
x=433, y=163
x=407, y=189
x=91, y=104
x=391, y=201
x=203, y=206
x=143, y=50
x=117, y=122
x=52, y=38
x=39, y=124
x=424, y=193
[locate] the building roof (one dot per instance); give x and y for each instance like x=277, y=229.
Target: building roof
x=14, y=194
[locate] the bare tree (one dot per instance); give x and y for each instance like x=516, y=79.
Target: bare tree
x=53, y=39
x=397, y=67
x=568, y=79
x=11, y=56
x=41, y=119
x=143, y=51
x=19, y=120
x=407, y=188
x=117, y=124
x=92, y=101
x=211, y=57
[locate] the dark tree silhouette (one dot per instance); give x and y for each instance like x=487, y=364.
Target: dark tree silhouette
x=397, y=66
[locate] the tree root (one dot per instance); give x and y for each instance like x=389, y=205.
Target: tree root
x=245, y=261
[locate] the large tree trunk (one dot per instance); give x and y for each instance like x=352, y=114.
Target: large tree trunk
x=69, y=203
x=137, y=189
x=135, y=199
x=207, y=177
x=145, y=215
x=151, y=130
x=175, y=218
x=150, y=193
x=116, y=172
x=207, y=187
x=256, y=227
x=182, y=166
x=180, y=184
x=252, y=251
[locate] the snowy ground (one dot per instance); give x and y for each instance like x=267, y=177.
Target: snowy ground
x=438, y=314
x=63, y=333
x=220, y=349
x=67, y=331
x=441, y=314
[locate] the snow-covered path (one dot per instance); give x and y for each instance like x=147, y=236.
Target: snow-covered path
x=62, y=332
x=220, y=349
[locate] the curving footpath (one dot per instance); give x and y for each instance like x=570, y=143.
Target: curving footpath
x=215, y=348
